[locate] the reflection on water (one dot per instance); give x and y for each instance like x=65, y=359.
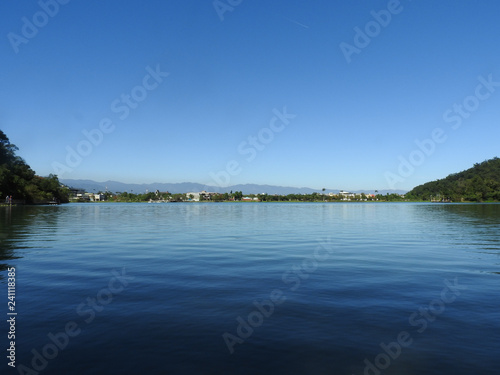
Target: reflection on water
x=198, y=267
x=23, y=226
x=475, y=227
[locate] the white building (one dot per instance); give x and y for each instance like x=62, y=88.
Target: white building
x=346, y=195
x=196, y=196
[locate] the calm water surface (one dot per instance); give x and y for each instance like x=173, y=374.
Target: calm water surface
x=254, y=288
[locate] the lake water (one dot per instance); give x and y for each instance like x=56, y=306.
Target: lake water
x=253, y=288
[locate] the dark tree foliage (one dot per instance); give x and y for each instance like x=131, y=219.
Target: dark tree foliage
x=19, y=180
x=477, y=184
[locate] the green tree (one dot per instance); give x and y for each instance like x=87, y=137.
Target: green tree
x=479, y=183
x=19, y=180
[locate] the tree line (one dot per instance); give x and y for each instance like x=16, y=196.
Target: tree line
x=238, y=196
x=18, y=180
x=481, y=183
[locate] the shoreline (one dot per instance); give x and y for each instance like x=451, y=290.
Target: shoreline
x=243, y=202
x=284, y=201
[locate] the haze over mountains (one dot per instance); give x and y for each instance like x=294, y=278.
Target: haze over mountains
x=185, y=187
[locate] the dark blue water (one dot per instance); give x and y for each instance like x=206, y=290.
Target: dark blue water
x=253, y=288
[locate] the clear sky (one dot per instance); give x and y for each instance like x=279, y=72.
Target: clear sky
x=315, y=93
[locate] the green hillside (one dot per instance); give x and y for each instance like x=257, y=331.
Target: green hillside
x=18, y=180
x=477, y=184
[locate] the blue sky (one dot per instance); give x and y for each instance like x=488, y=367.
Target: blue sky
x=180, y=88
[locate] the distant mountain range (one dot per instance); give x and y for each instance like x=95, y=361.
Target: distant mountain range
x=185, y=187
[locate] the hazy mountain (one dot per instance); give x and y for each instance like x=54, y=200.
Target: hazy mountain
x=185, y=187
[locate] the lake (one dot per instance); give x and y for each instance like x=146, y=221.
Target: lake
x=253, y=288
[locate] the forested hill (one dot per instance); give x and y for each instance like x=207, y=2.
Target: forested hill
x=477, y=184
x=18, y=180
